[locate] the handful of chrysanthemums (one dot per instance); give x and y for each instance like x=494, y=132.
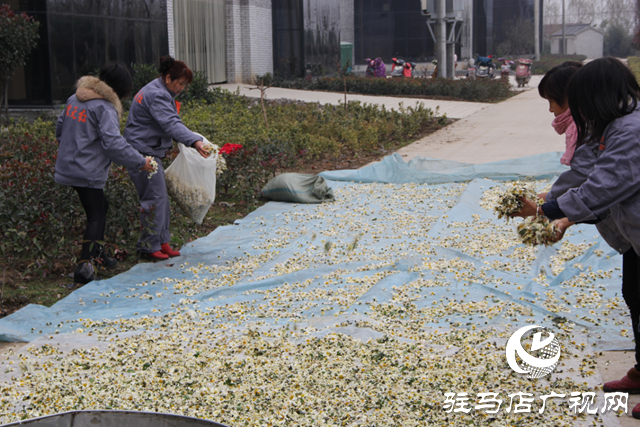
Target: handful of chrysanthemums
x=154, y=165
x=536, y=231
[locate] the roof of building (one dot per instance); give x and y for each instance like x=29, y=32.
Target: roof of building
x=574, y=30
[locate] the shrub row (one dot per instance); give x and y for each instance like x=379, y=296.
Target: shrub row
x=479, y=90
x=547, y=62
x=42, y=221
x=634, y=64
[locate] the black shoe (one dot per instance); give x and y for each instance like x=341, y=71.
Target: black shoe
x=84, y=273
x=100, y=256
x=106, y=262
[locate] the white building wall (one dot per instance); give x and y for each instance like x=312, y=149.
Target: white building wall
x=234, y=41
x=466, y=36
x=556, y=45
x=249, y=39
x=347, y=25
x=590, y=43
x=170, y=28
x=571, y=46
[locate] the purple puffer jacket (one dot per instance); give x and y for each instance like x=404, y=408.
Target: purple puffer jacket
x=381, y=70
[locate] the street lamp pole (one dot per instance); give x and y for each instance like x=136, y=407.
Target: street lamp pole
x=441, y=38
x=536, y=20
x=564, y=43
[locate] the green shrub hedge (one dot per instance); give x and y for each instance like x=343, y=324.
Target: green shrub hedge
x=479, y=90
x=547, y=62
x=42, y=222
x=634, y=64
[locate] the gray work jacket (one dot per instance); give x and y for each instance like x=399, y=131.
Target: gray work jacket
x=154, y=122
x=89, y=137
x=614, y=184
x=582, y=164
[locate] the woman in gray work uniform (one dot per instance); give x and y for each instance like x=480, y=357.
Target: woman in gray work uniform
x=88, y=131
x=152, y=127
x=604, y=98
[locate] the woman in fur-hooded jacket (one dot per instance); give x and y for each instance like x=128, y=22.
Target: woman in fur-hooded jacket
x=88, y=131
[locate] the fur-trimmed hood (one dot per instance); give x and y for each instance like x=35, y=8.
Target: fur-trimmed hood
x=93, y=88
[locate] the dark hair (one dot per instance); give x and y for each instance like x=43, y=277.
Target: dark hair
x=555, y=83
x=118, y=77
x=174, y=69
x=600, y=92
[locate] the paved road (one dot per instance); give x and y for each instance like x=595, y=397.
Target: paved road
x=518, y=127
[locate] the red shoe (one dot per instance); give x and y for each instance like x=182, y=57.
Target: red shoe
x=630, y=383
x=157, y=255
x=635, y=412
x=166, y=249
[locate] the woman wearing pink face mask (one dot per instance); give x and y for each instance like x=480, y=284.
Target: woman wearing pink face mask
x=553, y=88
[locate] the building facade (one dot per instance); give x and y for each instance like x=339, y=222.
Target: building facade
x=235, y=40
x=77, y=37
x=495, y=21
x=580, y=39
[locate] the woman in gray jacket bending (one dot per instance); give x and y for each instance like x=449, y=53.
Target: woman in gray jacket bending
x=152, y=127
x=604, y=98
x=88, y=131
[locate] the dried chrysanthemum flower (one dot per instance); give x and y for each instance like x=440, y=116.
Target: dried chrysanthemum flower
x=509, y=202
x=194, y=201
x=221, y=163
x=221, y=166
x=210, y=148
x=538, y=231
x=154, y=165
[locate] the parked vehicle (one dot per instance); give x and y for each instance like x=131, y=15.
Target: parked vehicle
x=523, y=72
x=401, y=68
x=505, y=68
x=485, y=67
x=408, y=69
x=397, y=68
x=471, y=69
x=371, y=67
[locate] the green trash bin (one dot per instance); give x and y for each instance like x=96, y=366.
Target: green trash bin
x=346, y=56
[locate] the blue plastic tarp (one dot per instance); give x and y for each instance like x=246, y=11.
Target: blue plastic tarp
x=409, y=233
x=424, y=170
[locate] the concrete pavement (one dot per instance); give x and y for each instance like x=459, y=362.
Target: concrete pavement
x=518, y=127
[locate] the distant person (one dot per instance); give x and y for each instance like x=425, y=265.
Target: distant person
x=88, y=131
x=152, y=126
x=380, y=68
x=371, y=67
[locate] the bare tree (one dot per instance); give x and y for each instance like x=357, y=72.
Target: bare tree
x=619, y=12
x=342, y=71
x=594, y=12
x=553, y=12
x=262, y=86
x=581, y=11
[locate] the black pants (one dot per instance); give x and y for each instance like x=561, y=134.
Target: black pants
x=95, y=205
x=631, y=293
